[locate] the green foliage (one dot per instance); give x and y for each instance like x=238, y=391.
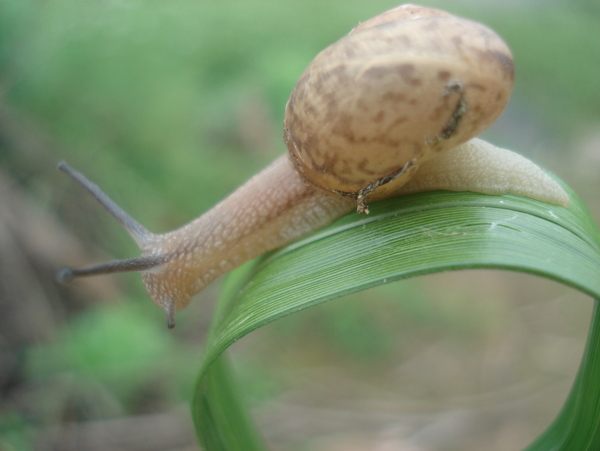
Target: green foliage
x=15, y=433
x=119, y=346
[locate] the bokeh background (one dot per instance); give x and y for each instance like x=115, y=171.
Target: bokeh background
x=171, y=105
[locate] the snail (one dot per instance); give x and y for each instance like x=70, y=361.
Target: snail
x=391, y=108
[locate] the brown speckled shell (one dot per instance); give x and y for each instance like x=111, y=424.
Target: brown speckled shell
x=386, y=94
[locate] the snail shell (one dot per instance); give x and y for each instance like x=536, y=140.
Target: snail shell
x=391, y=94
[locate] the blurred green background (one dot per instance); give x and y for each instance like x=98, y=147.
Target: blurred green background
x=171, y=105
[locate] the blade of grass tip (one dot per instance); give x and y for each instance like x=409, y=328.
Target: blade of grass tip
x=501, y=232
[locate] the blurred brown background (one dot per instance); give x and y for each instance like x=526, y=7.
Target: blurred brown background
x=171, y=105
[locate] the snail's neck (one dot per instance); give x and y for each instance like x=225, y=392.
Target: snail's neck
x=272, y=209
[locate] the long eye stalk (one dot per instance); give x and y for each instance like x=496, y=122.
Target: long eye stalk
x=138, y=232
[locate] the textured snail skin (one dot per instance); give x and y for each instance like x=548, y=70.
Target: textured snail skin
x=414, y=118
x=276, y=207
x=273, y=208
x=481, y=167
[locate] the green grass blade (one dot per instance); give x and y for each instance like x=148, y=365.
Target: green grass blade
x=225, y=423
x=404, y=237
x=577, y=427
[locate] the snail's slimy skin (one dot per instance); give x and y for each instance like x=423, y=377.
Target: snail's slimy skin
x=481, y=167
x=273, y=208
x=390, y=109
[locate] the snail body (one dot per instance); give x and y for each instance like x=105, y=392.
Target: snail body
x=392, y=108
